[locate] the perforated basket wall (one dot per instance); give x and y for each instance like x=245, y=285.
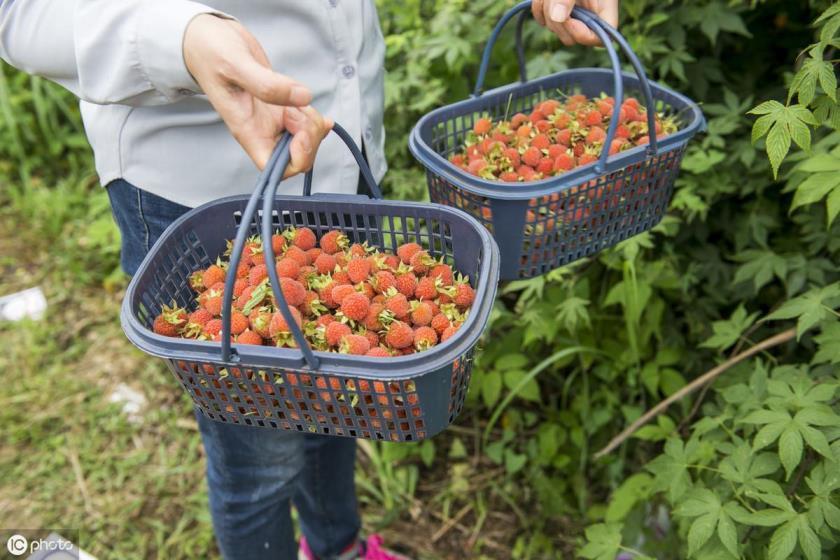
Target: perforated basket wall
x=545, y=224
x=406, y=398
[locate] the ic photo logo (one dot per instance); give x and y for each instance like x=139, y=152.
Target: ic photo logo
x=17, y=545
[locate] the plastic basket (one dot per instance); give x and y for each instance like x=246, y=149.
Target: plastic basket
x=544, y=224
x=405, y=398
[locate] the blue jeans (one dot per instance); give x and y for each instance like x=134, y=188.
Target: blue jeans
x=254, y=474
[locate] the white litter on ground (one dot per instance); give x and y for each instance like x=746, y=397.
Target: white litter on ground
x=28, y=304
x=133, y=402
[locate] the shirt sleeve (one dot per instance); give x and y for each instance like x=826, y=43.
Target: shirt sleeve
x=105, y=51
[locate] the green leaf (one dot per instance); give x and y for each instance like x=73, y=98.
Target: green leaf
x=491, y=387
x=790, y=449
x=766, y=518
x=728, y=534
x=700, y=532
x=783, y=541
x=727, y=333
x=603, y=542
x=634, y=489
x=572, y=312
x=514, y=461
x=527, y=389
x=782, y=124
x=808, y=540
x=828, y=343
x=810, y=308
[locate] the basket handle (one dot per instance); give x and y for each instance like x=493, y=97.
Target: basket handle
x=601, y=29
x=367, y=174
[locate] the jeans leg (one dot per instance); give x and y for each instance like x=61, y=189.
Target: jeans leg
x=326, y=498
x=251, y=475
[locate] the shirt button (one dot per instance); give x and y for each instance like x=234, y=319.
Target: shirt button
x=368, y=133
x=348, y=71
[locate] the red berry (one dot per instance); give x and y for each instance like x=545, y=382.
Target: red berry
x=596, y=134
x=517, y=120
x=333, y=241
x=509, y=177
x=421, y=314
x=355, y=306
x=406, y=284
x=593, y=118
x=358, y=269
x=378, y=352
x=476, y=166
x=249, y=337
x=440, y=323
x=278, y=325
x=483, y=126
x=541, y=142
x=325, y=263
x=447, y=334
x=513, y=156
x=464, y=296
x=354, y=344
x=407, y=250
x=293, y=291
x=278, y=244
x=238, y=323
x=427, y=288
x=425, y=338
x=213, y=275
x=532, y=156
x=564, y=162
x=546, y=166
x=334, y=332
x=564, y=137
x=372, y=321
x=213, y=327
x=257, y=275
x=586, y=159
x=444, y=272
x=303, y=238
x=398, y=305
x=399, y=335
x=299, y=255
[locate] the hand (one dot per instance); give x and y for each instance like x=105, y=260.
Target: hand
x=256, y=103
x=554, y=14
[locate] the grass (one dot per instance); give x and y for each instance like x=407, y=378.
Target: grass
x=70, y=458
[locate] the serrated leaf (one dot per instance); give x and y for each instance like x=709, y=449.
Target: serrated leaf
x=491, y=387
x=783, y=541
x=808, y=540
x=728, y=534
x=809, y=308
x=790, y=449
x=603, y=542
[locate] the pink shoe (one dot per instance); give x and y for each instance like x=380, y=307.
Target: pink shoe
x=369, y=549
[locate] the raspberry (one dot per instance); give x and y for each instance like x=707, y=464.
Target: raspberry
x=464, y=296
x=383, y=281
x=447, y=334
x=564, y=162
x=278, y=325
x=325, y=295
x=541, y=142
x=312, y=305
x=440, y=323
x=372, y=321
x=355, y=306
x=406, y=284
x=546, y=166
x=249, y=337
x=548, y=107
x=398, y=305
x=242, y=270
x=325, y=263
x=213, y=327
x=200, y=317
x=168, y=325
x=333, y=241
x=372, y=338
x=293, y=291
x=517, y=120
x=287, y=268
x=340, y=292
x=239, y=286
x=509, y=177
x=278, y=244
x=596, y=134
x=334, y=332
x=407, y=250
x=421, y=313
x=425, y=338
x=238, y=323
x=325, y=320
x=421, y=261
x=427, y=288
x=483, y=126
x=213, y=304
x=593, y=118
x=366, y=289
x=358, y=269
x=532, y=157
x=303, y=238
x=302, y=257
x=259, y=320
x=257, y=275
x=564, y=137
x=314, y=253
x=354, y=344
x=341, y=276
x=212, y=275
x=306, y=274
x=399, y=335
x=378, y=352
x=392, y=261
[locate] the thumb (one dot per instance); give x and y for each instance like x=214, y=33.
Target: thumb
x=267, y=85
x=560, y=10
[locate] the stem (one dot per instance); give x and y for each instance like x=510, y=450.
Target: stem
x=693, y=386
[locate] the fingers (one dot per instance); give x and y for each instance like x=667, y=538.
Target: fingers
x=537, y=11
x=269, y=86
x=580, y=33
x=309, y=128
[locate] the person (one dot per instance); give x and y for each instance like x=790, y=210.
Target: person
x=167, y=89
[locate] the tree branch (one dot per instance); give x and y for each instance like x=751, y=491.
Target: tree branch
x=693, y=386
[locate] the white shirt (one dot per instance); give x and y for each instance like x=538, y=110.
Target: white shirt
x=140, y=106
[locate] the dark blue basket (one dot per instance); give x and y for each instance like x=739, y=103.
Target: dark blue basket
x=544, y=224
x=406, y=398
